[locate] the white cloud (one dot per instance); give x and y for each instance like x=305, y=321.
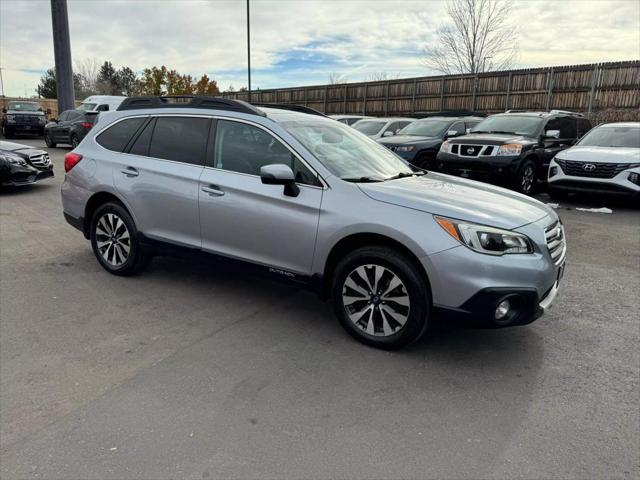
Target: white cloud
x=353, y=38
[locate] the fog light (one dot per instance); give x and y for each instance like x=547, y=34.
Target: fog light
x=502, y=310
x=553, y=171
x=634, y=178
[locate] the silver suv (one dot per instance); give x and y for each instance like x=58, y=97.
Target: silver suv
x=310, y=199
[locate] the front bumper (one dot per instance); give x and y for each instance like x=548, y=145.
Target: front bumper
x=496, y=170
x=619, y=185
x=20, y=175
x=467, y=286
x=33, y=128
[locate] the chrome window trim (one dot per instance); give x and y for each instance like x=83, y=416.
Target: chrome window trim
x=324, y=186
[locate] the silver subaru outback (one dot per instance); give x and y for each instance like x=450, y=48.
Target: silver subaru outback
x=311, y=200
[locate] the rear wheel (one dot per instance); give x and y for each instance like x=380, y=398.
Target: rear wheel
x=381, y=298
x=526, y=178
x=114, y=239
x=47, y=139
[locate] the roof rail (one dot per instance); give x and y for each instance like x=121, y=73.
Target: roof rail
x=293, y=108
x=189, y=101
x=513, y=110
x=566, y=112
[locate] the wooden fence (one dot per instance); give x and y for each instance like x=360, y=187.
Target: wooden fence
x=583, y=88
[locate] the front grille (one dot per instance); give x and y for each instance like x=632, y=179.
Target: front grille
x=470, y=150
x=556, y=243
x=27, y=119
x=41, y=160
x=593, y=170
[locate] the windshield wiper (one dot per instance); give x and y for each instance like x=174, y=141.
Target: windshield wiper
x=361, y=179
x=404, y=175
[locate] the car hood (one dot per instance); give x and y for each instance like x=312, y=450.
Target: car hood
x=601, y=154
x=458, y=198
x=490, y=139
x=24, y=112
x=408, y=140
x=20, y=149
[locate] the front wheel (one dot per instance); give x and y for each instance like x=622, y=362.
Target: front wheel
x=114, y=240
x=6, y=133
x=525, y=181
x=381, y=298
x=47, y=139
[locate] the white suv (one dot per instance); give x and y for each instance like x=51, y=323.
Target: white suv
x=605, y=160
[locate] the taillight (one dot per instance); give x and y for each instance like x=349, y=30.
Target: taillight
x=71, y=160
x=86, y=125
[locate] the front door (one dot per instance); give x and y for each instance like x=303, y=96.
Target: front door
x=243, y=218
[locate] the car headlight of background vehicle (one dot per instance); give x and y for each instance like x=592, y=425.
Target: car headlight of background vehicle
x=41, y=119
x=12, y=158
x=445, y=147
x=509, y=149
x=483, y=239
x=11, y=118
x=407, y=148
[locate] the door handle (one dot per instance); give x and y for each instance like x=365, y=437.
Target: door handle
x=213, y=190
x=130, y=172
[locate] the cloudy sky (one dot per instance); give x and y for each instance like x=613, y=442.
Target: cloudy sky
x=295, y=42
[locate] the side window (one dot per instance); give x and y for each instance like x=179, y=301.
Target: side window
x=182, y=139
x=74, y=115
x=566, y=125
x=141, y=144
x=243, y=148
x=102, y=108
x=116, y=137
x=458, y=127
x=583, y=127
x=63, y=116
x=470, y=125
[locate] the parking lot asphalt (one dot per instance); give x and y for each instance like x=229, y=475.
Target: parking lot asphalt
x=200, y=370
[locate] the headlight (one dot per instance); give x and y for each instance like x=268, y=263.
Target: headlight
x=483, y=239
x=13, y=159
x=11, y=118
x=409, y=148
x=510, y=149
x=445, y=147
x=41, y=119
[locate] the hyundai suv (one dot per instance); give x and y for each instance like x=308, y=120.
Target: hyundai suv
x=512, y=149
x=311, y=200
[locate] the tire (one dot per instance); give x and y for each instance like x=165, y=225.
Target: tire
x=525, y=181
x=378, y=320
x=47, y=139
x=115, y=258
x=425, y=161
x=74, y=140
x=6, y=132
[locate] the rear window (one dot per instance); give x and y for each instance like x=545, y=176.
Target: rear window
x=116, y=137
x=181, y=139
x=369, y=127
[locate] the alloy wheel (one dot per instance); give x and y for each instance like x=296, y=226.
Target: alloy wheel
x=112, y=239
x=527, y=179
x=376, y=300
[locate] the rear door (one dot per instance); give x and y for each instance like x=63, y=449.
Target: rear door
x=243, y=218
x=158, y=176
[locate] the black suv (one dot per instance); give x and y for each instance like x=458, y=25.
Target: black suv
x=512, y=149
x=418, y=143
x=22, y=117
x=70, y=128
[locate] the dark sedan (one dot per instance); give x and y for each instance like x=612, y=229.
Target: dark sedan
x=419, y=142
x=69, y=128
x=22, y=164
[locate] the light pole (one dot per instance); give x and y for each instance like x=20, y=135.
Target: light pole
x=248, y=54
x=62, y=54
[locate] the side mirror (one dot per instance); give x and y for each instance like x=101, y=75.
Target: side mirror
x=467, y=131
x=280, y=174
x=552, y=134
x=388, y=133
x=452, y=133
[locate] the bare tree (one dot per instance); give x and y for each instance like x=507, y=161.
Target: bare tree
x=336, y=78
x=88, y=69
x=480, y=38
x=381, y=76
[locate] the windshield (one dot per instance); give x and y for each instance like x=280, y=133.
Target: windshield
x=87, y=107
x=426, y=128
x=612, y=137
x=24, y=106
x=369, y=127
x=519, y=125
x=346, y=153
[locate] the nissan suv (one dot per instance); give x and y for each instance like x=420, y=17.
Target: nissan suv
x=512, y=149
x=309, y=199
x=22, y=117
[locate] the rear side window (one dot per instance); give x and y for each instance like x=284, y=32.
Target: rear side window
x=116, y=137
x=141, y=144
x=584, y=126
x=566, y=125
x=181, y=139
